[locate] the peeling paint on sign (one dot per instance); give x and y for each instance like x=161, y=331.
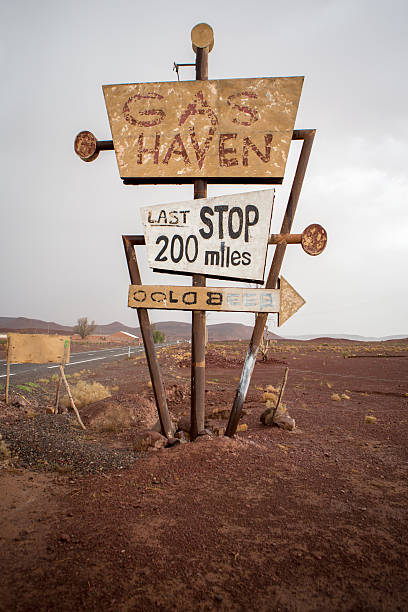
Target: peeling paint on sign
x=225, y=129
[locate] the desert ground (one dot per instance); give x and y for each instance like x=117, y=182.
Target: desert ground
x=310, y=519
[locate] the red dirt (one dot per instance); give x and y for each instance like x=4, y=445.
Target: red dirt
x=314, y=519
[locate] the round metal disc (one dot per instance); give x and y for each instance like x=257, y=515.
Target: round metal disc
x=86, y=146
x=202, y=36
x=314, y=239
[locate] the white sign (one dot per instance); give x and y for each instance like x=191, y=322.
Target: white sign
x=222, y=237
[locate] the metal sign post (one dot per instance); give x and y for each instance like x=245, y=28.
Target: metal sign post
x=205, y=39
x=233, y=131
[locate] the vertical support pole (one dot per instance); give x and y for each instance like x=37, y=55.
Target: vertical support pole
x=7, y=381
x=271, y=283
x=198, y=317
x=151, y=357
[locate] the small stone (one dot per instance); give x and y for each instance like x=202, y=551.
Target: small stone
x=148, y=440
x=184, y=424
x=204, y=432
x=172, y=442
x=267, y=416
x=370, y=419
x=285, y=422
x=64, y=538
x=182, y=436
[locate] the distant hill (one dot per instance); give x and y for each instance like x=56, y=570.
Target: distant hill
x=175, y=330
x=232, y=331
x=22, y=323
x=353, y=337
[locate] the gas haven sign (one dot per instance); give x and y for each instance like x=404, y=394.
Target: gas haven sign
x=221, y=237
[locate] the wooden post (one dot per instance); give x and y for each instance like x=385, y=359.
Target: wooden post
x=281, y=392
x=198, y=317
x=71, y=399
x=151, y=357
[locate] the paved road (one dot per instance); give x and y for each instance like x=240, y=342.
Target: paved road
x=29, y=371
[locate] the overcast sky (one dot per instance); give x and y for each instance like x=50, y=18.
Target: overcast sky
x=62, y=219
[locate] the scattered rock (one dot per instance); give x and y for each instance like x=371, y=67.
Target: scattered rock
x=172, y=442
x=184, y=423
x=279, y=419
x=148, y=440
x=284, y=421
x=335, y=397
x=370, y=419
x=182, y=436
x=21, y=402
x=64, y=538
x=266, y=417
x=205, y=432
x=219, y=431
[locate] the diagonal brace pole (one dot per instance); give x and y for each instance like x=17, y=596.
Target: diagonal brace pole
x=151, y=357
x=307, y=136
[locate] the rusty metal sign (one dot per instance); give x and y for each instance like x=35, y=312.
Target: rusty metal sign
x=221, y=237
x=224, y=131
x=285, y=301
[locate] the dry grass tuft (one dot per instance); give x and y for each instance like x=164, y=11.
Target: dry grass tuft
x=269, y=396
x=85, y=393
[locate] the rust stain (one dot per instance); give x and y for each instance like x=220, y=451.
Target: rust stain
x=85, y=146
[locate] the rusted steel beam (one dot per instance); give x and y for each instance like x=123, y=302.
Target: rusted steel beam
x=87, y=147
x=271, y=283
x=145, y=328
x=198, y=320
x=313, y=239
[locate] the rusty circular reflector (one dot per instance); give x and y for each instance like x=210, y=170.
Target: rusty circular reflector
x=314, y=239
x=202, y=36
x=86, y=146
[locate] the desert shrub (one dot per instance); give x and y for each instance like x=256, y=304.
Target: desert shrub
x=84, y=328
x=85, y=393
x=158, y=336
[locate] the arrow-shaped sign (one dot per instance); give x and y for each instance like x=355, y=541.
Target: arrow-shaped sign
x=285, y=301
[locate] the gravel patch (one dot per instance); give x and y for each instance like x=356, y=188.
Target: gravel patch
x=53, y=443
